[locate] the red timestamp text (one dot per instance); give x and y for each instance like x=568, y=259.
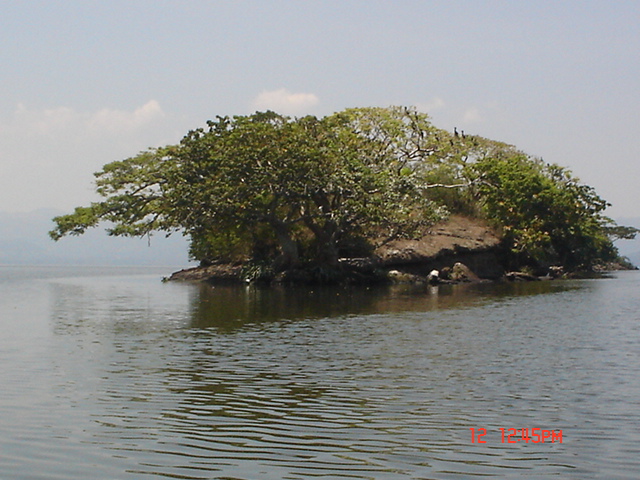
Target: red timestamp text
x=517, y=435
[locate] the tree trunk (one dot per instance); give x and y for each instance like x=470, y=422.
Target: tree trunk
x=326, y=242
x=328, y=254
x=289, y=256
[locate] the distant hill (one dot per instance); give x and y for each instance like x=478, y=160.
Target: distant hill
x=24, y=241
x=630, y=248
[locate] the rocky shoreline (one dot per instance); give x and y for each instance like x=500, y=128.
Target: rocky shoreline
x=458, y=250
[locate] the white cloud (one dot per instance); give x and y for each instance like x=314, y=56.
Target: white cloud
x=47, y=156
x=123, y=121
x=436, y=103
x=285, y=102
x=41, y=123
x=60, y=121
x=472, y=115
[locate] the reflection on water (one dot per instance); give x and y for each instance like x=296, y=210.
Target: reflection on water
x=130, y=378
x=227, y=308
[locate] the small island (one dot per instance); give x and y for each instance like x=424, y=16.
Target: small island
x=360, y=196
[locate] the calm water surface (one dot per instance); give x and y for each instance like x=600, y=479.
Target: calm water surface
x=111, y=374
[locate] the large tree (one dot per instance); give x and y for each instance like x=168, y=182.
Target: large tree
x=250, y=182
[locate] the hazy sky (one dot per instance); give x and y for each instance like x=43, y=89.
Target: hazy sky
x=84, y=83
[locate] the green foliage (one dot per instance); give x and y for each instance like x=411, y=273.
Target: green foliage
x=135, y=199
x=620, y=232
x=275, y=192
x=546, y=215
x=77, y=222
x=209, y=246
x=250, y=181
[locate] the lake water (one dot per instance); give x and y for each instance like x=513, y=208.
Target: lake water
x=110, y=374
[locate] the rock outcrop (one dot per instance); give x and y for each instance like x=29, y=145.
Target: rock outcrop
x=460, y=249
x=216, y=273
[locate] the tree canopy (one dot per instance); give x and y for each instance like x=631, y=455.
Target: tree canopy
x=286, y=192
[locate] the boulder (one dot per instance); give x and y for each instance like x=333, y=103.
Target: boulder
x=396, y=276
x=521, y=277
x=461, y=273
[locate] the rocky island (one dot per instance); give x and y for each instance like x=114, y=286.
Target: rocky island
x=363, y=195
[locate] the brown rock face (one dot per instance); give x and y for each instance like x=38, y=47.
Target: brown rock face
x=469, y=241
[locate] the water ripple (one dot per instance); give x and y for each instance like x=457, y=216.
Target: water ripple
x=124, y=388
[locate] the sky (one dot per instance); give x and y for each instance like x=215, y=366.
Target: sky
x=86, y=83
